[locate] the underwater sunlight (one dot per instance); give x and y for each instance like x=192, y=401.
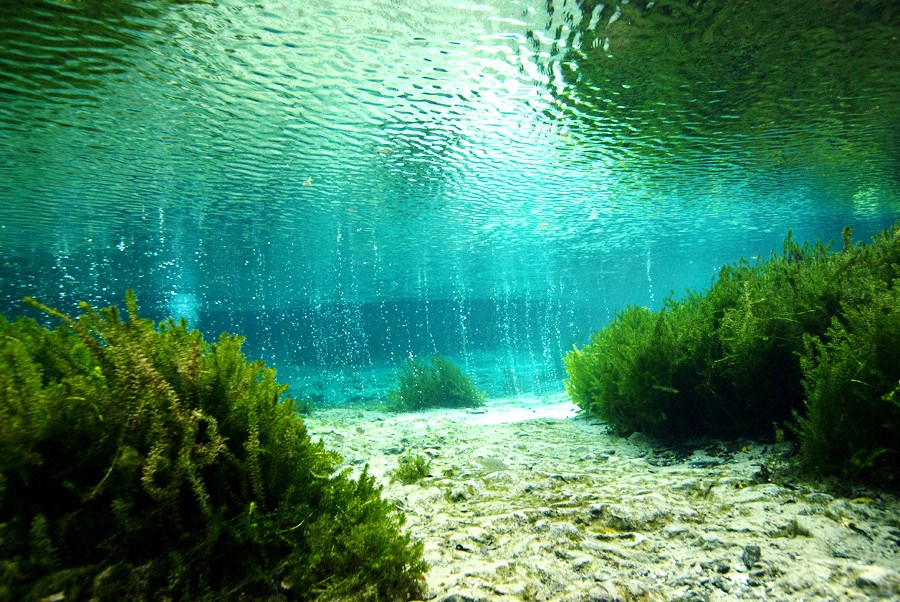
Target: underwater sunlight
x=490, y=182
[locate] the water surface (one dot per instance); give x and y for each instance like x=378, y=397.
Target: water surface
x=350, y=183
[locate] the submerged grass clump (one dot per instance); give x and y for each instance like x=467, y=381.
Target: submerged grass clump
x=851, y=423
x=411, y=468
x=436, y=382
x=807, y=337
x=139, y=461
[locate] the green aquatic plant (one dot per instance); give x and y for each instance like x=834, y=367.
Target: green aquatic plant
x=790, y=336
x=436, y=382
x=630, y=374
x=140, y=461
x=851, y=423
x=411, y=468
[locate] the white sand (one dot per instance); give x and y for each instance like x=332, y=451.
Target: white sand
x=526, y=501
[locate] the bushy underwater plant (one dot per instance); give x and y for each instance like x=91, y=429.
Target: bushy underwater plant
x=411, y=468
x=436, y=382
x=850, y=426
x=806, y=334
x=140, y=462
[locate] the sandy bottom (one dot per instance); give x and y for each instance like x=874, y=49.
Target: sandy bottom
x=527, y=501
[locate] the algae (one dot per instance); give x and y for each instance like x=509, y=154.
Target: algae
x=806, y=338
x=139, y=461
x=436, y=382
x=411, y=468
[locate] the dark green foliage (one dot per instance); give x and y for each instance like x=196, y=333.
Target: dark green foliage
x=437, y=382
x=139, y=462
x=628, y=374
x=411, y=469
x=851, y=426
x=731, y=361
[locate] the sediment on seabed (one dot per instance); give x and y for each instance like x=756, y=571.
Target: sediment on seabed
x=525, y=500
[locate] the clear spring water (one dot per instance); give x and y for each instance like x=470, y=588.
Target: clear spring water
x=350, y=183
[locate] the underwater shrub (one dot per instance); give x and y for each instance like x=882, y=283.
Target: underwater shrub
x=411, y=468
x=727, y=361
x=141, y=462
x=437, y=382
x=630, y=372
x=851, y=424
x=756, y=316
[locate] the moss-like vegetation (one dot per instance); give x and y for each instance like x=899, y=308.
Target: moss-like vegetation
x=411, y=469
x=851, y=424
x=808, y=333
x=140, y=462
x=436, y=382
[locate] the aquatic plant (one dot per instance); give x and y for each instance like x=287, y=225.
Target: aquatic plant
x=411, y=468
x=139, y=461
x=626, y=375
x=850, y=426
x=436, y=382
x=790, y=336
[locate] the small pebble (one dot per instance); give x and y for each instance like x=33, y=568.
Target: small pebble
x=751, y=556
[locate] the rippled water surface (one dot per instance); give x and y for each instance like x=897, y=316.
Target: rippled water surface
x=350, y=183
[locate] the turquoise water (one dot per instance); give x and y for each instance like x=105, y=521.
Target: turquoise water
x=349, y=184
